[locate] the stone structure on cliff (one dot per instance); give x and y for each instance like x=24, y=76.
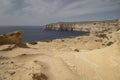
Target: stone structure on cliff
x=11, y=38
x=88, y=26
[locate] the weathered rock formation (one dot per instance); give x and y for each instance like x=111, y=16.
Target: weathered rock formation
x=88, y=26
x=11, y=38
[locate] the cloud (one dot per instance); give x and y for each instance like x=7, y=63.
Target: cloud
x=36, y=12
x=87, y=7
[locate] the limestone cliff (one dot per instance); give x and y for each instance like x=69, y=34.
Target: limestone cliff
x=88, y=26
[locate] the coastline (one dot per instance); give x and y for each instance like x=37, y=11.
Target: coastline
x=88, y=57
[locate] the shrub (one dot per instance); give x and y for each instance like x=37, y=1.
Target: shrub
x=103, y=44
x=99, y=40
x=47, y=40
x=38, y=76
x=35, y=61
x=76, y=50
x=71, y=37
x=118, y=29
x=109, y=43
x=63, y=40
x=23, y=55
x=33, y=42
x=102, y=36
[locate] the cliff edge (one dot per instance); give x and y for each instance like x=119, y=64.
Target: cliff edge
x=87, y=26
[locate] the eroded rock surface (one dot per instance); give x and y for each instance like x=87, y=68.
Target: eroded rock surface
x=11, y=38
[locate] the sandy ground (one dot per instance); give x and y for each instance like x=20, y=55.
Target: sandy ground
x=62, y=59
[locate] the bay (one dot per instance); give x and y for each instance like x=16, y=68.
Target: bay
x=37, y=33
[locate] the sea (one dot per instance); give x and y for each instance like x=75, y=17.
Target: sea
x=37, y=33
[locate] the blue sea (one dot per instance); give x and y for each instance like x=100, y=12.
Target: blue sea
x=37, y=33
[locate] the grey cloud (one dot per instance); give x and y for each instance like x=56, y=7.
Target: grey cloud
x=17, y=6
x=88, y=6
x=49, y=1
x=44, y=11
x=65, y=3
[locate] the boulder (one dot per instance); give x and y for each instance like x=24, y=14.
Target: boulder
x=11, y=38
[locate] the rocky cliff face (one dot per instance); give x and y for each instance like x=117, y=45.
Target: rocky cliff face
x=88, y=26
x=11, y=38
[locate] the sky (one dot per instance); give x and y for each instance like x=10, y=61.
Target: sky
x=41, y=12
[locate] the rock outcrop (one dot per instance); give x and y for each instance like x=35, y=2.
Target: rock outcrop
x=11, y=38
x=88, y=26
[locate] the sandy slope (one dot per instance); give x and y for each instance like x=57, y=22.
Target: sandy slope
x=59, y=60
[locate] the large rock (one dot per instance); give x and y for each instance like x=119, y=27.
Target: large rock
x=11, y=38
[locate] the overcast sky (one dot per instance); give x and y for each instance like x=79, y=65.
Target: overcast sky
x=39, y=12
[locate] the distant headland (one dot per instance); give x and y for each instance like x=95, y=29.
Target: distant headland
x=87, y=26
